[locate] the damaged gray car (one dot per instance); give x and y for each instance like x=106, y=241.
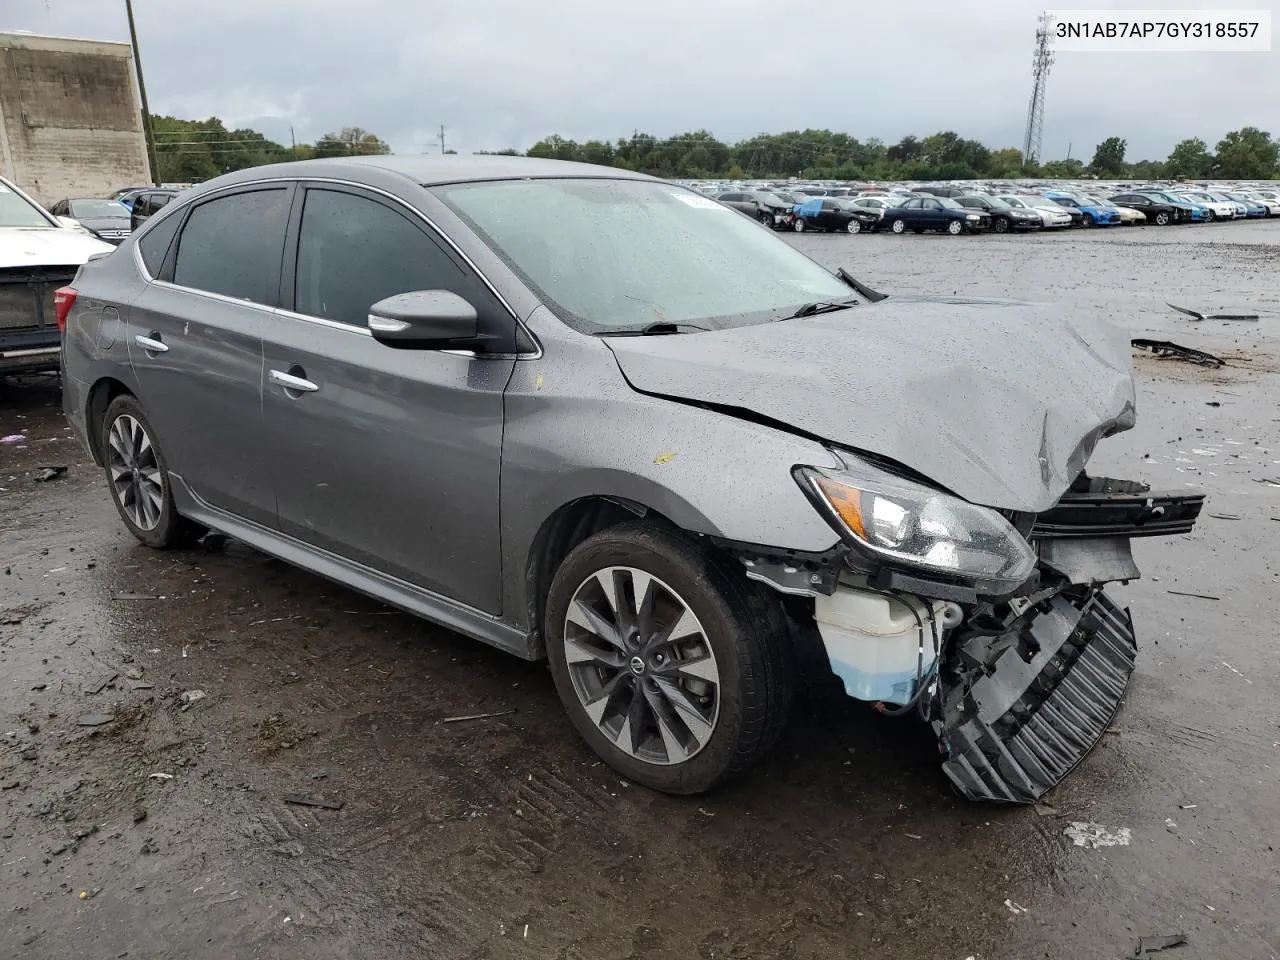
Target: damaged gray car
x=594, y=417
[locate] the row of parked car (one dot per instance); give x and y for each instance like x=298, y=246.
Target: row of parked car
x=113, y=219
x=959, y=210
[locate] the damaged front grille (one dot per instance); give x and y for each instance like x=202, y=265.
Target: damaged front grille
x=1013, y=727
x=26, y=294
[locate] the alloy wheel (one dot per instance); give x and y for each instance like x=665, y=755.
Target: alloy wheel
x=641, y=665
x=955, y=227
x=854, y=226
x=135, y=472
x=899, y=226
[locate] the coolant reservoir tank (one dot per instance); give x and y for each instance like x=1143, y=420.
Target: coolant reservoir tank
x=875, y=642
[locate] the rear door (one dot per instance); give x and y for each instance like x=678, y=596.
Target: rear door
x=388, y=457
x=195, y=345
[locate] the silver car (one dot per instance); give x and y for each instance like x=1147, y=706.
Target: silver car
x=589, y=416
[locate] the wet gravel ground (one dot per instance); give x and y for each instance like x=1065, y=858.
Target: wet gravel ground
x=165, y=832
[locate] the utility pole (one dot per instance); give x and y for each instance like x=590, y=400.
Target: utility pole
x=442, y=139
x=1040, y=65
x=293, y=143
x=142, y=93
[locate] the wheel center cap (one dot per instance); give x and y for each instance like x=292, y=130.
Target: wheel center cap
x=637, y=665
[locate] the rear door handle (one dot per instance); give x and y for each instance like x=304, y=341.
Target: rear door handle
x=151, y=344
x=290, y=382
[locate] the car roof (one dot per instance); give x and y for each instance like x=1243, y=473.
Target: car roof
x=425, y=170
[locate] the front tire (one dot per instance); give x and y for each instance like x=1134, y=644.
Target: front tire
x=672, y=665
x=766, y=220
x=1162, y=218
x=955, y=228
x=854, y=226
x=139, y=478
x=1000, y=225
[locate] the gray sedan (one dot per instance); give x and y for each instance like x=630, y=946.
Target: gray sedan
x=589, y=416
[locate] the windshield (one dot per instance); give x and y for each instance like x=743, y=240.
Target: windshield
x=614, y=255
x=1094, y=202
x=995, y=203
x=1161, y=196
x=1044, y=203
x=99, y=209
x=1013, y=201
x=17, y=212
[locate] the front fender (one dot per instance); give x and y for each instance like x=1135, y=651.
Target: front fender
x=575, y=429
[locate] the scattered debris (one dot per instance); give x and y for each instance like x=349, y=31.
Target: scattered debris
x=306, y=800
x=188, y=697
x=141, y=685
x=1014, y=908
x=95, y=719
x=13, y=438
x=234, y=895
x=10, y=785
x=479, y=716
x=100, y=684
x=1095, y=835
x=1224, y=516
x=1274, y=483
x=705, y=812
x=913, y=836
x=1213, y=403
x=666, y=457
x=1168, y=350
x=160, y=776
x=1199, y=596
x=1046, y=810
x=1235, y=671
x=1197, y=315
x=50, y=473
x=135, y=596
x=1187, y=806
x=1149, y=945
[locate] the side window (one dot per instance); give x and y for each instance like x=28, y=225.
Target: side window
x=829, y=205
x=233, y=245
x=154, y=244
x=932, y=205
x=353, y=252
x=142, y=205
x=158, y=200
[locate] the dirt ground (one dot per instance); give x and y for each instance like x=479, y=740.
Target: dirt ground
x=166, y=831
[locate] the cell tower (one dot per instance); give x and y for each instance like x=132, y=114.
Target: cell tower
x=1035, y=112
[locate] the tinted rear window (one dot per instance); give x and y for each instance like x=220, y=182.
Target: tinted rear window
x=154, y=244
x=233, y=245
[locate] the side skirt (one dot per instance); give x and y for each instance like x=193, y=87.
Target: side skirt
x=408, y=597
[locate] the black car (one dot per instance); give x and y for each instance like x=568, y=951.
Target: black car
x=1154, y=210
x=833, y=213
x=919, y=214
x=1003, y=217
x=942, y=191
x=106, y=219
x=149, y=202
x=768, y=208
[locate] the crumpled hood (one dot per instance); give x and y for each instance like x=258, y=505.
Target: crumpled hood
x=997, y=401
x=47, y=246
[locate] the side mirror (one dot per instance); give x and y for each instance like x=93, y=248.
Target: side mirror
x=425, y=320
x=72, y=224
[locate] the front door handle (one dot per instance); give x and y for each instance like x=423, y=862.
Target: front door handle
x=293, y=383
x=151, y=343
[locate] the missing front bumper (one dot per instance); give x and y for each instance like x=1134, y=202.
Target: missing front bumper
x=1013, y=728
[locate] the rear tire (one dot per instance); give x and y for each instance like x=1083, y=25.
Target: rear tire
x=138, y=477
x=615, y=658
x=766, y=219
x=800, y=225
x=898, y=226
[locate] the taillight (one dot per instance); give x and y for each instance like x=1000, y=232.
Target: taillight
x=64, y=298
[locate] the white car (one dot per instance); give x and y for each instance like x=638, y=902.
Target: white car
x=1221, y=209
x=38, y=254
x=1240, y=209
x=879, y=202
x=1268, y=198
x=1050, y=213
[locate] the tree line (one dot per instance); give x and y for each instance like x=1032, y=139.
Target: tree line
x=194, y=150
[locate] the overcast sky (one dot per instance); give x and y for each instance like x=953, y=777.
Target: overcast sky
x=503, y=73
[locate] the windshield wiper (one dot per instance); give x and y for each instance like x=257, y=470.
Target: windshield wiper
x=821, y=306
x=656, y=329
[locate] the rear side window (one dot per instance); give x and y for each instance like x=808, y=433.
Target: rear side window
x=233, y=245
x=353, y=252
x=154, y=244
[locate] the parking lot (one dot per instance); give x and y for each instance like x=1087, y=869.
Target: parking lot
x=169, y=830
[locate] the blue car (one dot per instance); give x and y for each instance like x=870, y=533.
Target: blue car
x=1252, y=207
x=1194, y=211
x=1094, y=216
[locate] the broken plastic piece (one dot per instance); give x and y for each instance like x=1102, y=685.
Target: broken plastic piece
x=1149, y=945
x=1197, y=315
x=1168, y=350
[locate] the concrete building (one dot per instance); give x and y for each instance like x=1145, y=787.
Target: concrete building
x=70, y=121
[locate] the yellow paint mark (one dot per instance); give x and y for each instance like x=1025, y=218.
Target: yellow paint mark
x=664, y=457
x=537, y=382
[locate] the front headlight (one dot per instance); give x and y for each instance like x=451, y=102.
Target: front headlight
x=918, y=526
x=972, y=216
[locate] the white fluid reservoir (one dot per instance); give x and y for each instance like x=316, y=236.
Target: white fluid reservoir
x=875, y=642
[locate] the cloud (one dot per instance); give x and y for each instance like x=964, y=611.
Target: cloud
x=502, y=73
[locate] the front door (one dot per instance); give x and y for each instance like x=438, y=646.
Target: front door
x=194, y=339
x=388, y=457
